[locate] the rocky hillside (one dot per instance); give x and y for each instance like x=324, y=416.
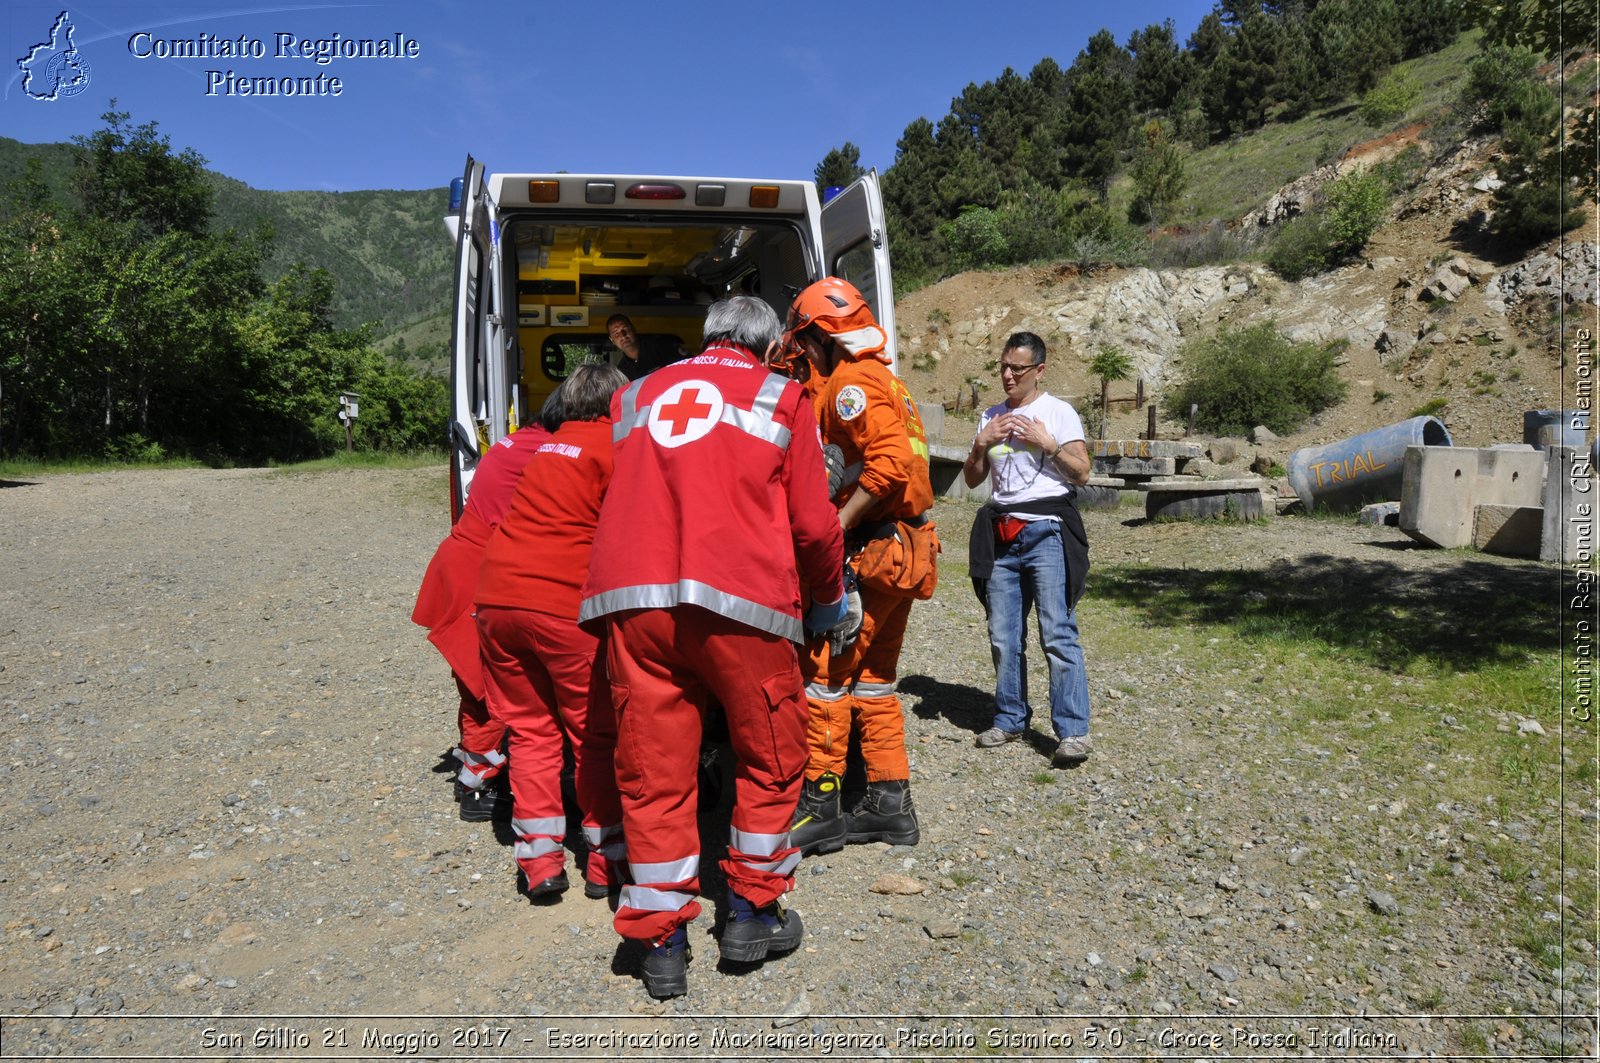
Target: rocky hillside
x=1432, y=319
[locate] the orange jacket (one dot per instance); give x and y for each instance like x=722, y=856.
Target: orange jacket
x=867, y=412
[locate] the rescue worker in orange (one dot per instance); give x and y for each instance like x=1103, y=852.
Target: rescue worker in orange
x=864, y=410
x=716, y=520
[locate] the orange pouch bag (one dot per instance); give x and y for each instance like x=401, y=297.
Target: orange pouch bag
x=904, y=564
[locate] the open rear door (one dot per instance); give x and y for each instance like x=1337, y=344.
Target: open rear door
x=855, y=246
x=478, y=399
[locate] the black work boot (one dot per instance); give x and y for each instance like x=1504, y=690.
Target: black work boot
x=752, y=933
x=478, y=804
x=666, y=966
x=818, y=818
x=884, y=814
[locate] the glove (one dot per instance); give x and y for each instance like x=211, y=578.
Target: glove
x=843, y=634
x=833, y=460
x=823, y=617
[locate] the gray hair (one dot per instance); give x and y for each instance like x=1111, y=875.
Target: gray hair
x=586, y=394
x=744, y=320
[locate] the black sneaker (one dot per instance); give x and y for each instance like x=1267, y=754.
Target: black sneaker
x=751, y=934
x=818, y=819
x=885, y=814
x=665, y=969
x=553, y=886
x=477, y=805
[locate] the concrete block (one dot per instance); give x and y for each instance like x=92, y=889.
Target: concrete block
x=944, y=470
x=1143, y=448
x=1511, y=530
x=933, y=421
x=1568, y=530
x=1441, y=486
x=1109, y=466
x=1380, y=513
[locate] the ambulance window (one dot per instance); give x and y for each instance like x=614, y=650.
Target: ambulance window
x=562, y=353
x=857, y=266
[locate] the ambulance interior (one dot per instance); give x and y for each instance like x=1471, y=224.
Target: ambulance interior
x=573, y=275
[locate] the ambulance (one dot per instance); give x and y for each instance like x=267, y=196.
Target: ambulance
x=543, y=261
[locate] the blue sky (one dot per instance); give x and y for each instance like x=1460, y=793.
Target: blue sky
x=682, y=87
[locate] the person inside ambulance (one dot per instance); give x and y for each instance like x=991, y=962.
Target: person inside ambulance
x=718, y=458
x=863, y=409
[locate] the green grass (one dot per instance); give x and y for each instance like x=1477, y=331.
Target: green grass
x=1431, y=407
x=1234, y=177
x=30, y=467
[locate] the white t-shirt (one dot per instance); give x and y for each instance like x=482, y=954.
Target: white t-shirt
x=1021, y=472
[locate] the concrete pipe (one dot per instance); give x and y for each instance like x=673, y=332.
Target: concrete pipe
x=1366, y=468
x=1556, y=428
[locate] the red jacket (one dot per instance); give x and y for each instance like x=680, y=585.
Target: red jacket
x=537, y=558
x=444, y=603
x=719, y=491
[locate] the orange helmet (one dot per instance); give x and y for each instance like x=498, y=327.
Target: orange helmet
x=834, y=305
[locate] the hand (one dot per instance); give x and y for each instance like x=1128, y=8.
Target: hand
x=823, y=617
x=1034, y=432
x=843, y=634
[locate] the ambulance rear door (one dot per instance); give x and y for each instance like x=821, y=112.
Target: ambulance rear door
x=855, y=246
x=479, y=385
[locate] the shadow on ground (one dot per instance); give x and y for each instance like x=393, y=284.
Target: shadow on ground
x=966, y=707
x=1463, y=616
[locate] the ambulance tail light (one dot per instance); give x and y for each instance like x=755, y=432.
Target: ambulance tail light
x=764, y=195
x=655, y=190
x=544, y=191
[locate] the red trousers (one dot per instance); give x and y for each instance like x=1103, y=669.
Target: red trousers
x=542, y=678
x=664, y=665
x=858, y=686
x=481, y=735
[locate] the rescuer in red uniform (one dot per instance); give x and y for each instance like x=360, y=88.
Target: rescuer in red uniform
x=444, y=605
x=717, y=518
x=541, y=674
x=864, y=410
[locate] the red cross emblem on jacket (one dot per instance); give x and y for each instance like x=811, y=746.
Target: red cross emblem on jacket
x=685, y=412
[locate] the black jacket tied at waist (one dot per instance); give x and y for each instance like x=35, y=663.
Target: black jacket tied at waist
x=1074, y=543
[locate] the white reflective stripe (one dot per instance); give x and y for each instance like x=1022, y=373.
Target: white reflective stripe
x=554, y=826
x=756, y=424
x=629, y=401
x=766, y=401
x=646, y=899
x=534, y=849
x=818, y=692
x=873, y=690
x=754, y=844
x=693, y=592
x=494, y=756
x=670, y=871
x=776, y=867
x=596, y=836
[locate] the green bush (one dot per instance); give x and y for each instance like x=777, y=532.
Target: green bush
x=1390, y=98
x=1496, y=82
x=974, y=239
x=1300, y=249
x=1352, y=208
x=1245, y=377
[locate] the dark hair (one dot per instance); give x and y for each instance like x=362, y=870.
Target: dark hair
x=554, y=410
x=586, y=394
x=744, y=320
x=614, y=318
x=1025, y=341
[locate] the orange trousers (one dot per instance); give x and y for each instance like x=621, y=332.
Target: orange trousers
x=857, y=687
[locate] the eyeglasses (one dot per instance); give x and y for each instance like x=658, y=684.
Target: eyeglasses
x=1017, y=370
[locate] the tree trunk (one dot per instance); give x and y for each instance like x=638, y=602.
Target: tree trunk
x=1105, y=404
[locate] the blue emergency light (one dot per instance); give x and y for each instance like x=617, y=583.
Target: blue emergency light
x=458, y=186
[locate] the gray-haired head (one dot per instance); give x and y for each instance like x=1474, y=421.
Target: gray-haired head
x=586, y=394
x=743, y=320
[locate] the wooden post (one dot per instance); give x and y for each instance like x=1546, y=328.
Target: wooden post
x=1138, y=392
x=1194, y=408
x=1151, y=411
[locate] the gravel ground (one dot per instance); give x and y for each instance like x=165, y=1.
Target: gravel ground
x=224, y=801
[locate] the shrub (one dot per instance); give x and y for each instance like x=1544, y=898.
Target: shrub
x=1353, y=211
x=1496, y=82
x=1390, y=98
x=1242, y=378
x=974, y=239
x=1429, y=408
x=1300, y=249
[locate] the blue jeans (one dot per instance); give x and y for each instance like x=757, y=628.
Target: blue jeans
x=1032, y=571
